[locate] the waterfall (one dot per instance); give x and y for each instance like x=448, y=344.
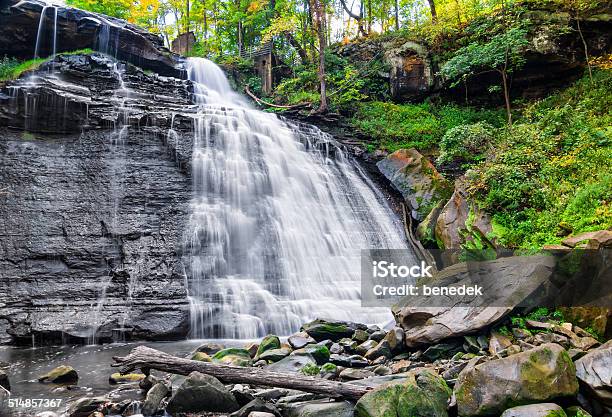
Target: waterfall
x=40, y=32
x=278, y=219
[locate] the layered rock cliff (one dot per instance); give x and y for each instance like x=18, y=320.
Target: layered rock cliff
x=94, y=197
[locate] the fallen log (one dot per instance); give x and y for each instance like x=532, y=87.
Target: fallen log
x=145, y=358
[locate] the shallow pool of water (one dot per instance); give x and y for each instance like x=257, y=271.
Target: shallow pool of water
x=93, y=364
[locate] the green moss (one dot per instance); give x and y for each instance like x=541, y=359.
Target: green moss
x=268, y=343
x=310, y=369
x=329, y=367
x=11, y=69
x=201, y=356
x=233, y=356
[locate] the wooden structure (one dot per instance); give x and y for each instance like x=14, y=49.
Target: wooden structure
x=183, y=43
x=263, y=58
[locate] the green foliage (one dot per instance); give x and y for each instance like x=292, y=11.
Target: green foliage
x=596, y=335
x=114, y=8
x=504, y=49
x=310, y=369
x=465, y=142
x=551, y=172
x=11, y=69
x=395, y=126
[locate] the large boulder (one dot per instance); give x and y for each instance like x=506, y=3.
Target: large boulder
x=79, y=29
x=420, y=394
x=535, y=410
x=462, y=223
x=200, y=392
x=416, y=179
x=505, y=282
x=594, y=371
x=537, y=375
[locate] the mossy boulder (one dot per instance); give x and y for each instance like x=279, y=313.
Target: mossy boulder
x=275, y=355
x=421, y=394
x=268, y=343
x=537, y=375
x=320, y=353
x=201, y=356
x=117, y=378
x=321, y=330
x=63, y=374
x=415, y=177
x=461, y=223
x=233, y=356
x=535, y=410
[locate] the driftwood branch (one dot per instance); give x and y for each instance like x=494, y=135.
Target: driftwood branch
x=143, y=357
x=278, y=106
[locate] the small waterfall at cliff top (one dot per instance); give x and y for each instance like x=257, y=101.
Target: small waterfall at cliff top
x=277, y=222
x=40, y=35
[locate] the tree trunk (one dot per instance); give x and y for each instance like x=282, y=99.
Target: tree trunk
x=187, y=28
x=504, y=75
x=434, y=14
x=205, y=22
x=586, y=49
x=146, y=359
x=397, y=24
x=296, y=45
x=358, y=18
x=317, y=9
x=369, y=16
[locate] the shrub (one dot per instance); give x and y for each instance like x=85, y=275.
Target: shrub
x=465, y=142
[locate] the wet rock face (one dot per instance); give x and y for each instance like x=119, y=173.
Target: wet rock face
x=76, y=92
x=92, y=224
x=78, y=29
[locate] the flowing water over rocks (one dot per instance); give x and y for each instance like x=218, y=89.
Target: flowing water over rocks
x=279, y=217
x=140, y=206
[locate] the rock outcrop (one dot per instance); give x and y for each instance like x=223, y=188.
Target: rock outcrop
x=461, y=223
x=412, y=73
x=93, y=218
x=416, y=179
x=78, y=29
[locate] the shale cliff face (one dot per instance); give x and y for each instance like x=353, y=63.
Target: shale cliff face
x=78, y=29
x=94, y=197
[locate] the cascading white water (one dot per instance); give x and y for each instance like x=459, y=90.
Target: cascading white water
x=277, y=223
x=41, y=29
